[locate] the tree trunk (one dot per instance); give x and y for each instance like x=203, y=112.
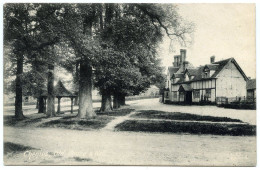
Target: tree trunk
x=122, y=99
x=58, y=107
x=106, y=105
x=71, y=105
x=44, y=109
x=50, y=99
x=41, y=105
x=85, y=91
x=37, y=103
x=85, y=74
x=76, y=101
x=116, y=103
x=19, y=89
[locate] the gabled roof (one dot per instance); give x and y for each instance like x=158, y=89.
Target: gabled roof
x=185, y=87
x=198, y=73
x=177, y=75
x=223, y=63
x=61, y=91
x=191, y=71
x=172, y=70
x=251, y=84
x=187, y=65
x=212, y=66
x=216, y=66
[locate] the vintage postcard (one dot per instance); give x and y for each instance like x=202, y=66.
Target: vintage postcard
x=151, y=84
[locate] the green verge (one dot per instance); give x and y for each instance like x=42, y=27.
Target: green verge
x=10, y=147
x=187, y=127
x=154, y=114
x=79, y=124
x=118, y=112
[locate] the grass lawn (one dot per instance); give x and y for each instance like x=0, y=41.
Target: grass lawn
x=118, y=112
x=12, y=121
x=154, y=114
x=72, y=122
x=67, y=121
x=187, y=127
x=10, y=147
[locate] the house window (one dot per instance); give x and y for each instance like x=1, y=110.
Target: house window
x=208, y=93
x=196, y=93
x=206, y=74
x=175, y=94
x=186, y=77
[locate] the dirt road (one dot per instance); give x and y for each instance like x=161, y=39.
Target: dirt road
x=129, y=148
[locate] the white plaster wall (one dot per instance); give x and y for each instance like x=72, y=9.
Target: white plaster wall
x=230, y=82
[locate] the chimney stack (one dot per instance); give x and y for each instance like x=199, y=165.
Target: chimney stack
x=212, y=59
x=183, y=55
x=176, y=61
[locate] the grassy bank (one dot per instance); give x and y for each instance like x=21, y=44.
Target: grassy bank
x=78, y=124
x=187, y=127
x=10, y=147
x=154, y=114
x=119, y=112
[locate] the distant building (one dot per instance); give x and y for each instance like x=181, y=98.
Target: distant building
x=187, y=84
x=251, y=90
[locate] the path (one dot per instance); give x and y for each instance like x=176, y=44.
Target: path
x=111, y=125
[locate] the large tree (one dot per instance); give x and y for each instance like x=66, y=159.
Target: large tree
x=134, y=31
x=26, y=33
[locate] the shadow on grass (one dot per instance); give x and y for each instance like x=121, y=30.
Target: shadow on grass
x=187, y=127
x=118, y=112
x=154, y=114
x=10, y=147
x=12, y=121
x=79, y=159
x=78, y=124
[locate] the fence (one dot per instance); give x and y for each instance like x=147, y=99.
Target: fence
x=238, y=102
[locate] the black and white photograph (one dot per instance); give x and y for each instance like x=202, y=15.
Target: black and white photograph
x=129, y=84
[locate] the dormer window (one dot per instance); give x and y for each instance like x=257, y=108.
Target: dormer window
x=206, y=72
x=186, y=77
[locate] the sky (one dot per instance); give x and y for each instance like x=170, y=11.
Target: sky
x=222, y=30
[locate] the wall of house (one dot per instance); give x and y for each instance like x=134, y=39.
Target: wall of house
x=230, y=82
x=168, y=81
x=203, y=86
x=251, y=95
x=175, y=88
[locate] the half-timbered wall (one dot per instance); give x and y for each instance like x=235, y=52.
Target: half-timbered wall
x=204, y=87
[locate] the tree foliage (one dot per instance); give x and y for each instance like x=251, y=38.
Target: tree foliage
x=113, y=45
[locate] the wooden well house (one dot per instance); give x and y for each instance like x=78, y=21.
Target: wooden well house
x=60, y=91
